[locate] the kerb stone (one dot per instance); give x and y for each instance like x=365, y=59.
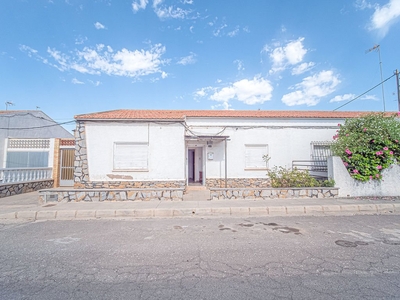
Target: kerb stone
x=240, y=211
x=277, y=210
x=105, y=213
x=295, y=210
x=66, y=214
x=46, y=215
x=258, y=211
x=26, y=215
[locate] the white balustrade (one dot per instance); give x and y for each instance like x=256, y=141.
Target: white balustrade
x=13, y=175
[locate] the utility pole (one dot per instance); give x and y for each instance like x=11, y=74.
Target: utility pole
x=398, y=87
x=378, y=49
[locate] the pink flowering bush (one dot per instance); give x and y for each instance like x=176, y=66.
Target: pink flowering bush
x=368, y=145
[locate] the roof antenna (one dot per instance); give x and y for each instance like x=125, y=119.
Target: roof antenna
x=378, y=49
x=8, y=103
x=37, y=107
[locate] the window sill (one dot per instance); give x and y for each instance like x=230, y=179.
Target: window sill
x=256, y=169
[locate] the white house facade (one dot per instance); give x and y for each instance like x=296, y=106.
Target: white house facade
x=176, y=148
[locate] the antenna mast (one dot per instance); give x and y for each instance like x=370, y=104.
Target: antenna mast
x=8, y=103
x=378, y=49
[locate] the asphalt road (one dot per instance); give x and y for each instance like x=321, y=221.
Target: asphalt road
x=355, y=257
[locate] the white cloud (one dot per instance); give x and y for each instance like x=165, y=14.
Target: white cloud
x=187, y=1
x=370, y=97
x=103, y=59
x=302, y=68
x=95, y=83
x=225, y=106
x=141, y=4
x=30, y=51
x=287, y=55
x=312, y=89
x=80, y=40
x=98, y=25
x=169, y=12
x=217, y=32
x=234, y=32
x=385, y=16
x=340, y=98
x=239, y=64
x=187, y=60
x=76, y=81
x=254, y=91
x=363, y=4
x=203, y=91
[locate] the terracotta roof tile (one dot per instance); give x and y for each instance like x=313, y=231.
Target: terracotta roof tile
x=128, y=114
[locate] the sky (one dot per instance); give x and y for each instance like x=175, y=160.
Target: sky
x=70, y=57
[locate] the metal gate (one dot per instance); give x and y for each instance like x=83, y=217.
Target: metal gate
x=67, y=167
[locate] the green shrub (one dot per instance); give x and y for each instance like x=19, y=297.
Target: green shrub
x=368, y=145
x=285, y=178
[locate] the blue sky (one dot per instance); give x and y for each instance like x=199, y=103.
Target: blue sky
x=70, y=57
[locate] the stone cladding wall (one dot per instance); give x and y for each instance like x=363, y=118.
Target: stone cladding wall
x=81, y=171
x=133, y=184
x=238, y=183
x=24, y=187
x=99, y=195
x=271, y=193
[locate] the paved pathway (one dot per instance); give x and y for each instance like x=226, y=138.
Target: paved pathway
x=26, y=207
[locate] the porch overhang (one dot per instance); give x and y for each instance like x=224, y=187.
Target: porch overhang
x=206, y=137
x=210, y=139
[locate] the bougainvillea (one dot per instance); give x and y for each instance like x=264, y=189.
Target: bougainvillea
x=368, y=145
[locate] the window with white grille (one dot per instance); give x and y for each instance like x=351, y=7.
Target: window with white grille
x=28, y=153
x=254, y=156
x=130, y=156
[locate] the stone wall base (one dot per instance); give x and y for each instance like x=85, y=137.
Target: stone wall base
x=238, y=182
x=131, y=184
x=11, y=189
x=271, y=193
x=100, y=195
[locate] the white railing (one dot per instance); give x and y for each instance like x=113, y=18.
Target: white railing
x=13, y=175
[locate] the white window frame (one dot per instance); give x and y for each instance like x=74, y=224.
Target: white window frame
x=29, y=146
x=130, y=156
x=251, y=162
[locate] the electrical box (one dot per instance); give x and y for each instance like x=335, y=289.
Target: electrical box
x=210, y=155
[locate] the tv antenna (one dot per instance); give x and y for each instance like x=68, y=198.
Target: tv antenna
x=378, y=49
x=8, y=103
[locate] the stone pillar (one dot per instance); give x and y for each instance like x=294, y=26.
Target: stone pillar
x=81, y=172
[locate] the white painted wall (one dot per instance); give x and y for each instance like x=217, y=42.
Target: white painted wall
x=349, y=187
x=287, y=140
x=166, y=149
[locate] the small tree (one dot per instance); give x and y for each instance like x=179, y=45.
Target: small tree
x=368, y=145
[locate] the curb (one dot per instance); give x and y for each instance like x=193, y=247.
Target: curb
x=313, y=210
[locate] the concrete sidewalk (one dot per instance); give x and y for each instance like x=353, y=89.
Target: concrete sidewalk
x=26, y=207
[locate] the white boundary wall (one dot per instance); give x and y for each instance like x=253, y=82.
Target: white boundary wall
x=349, y=187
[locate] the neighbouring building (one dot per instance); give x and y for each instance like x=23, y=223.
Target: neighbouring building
x=30, y=143
x=175, y=148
